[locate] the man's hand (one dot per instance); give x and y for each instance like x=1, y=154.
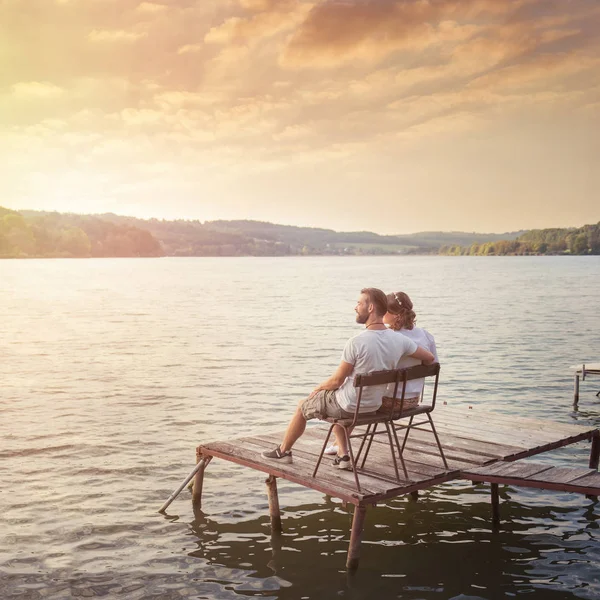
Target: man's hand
x=423, y=355
x=335, y=381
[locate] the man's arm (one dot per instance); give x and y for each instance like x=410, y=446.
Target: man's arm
x=424, y=355
x=336, y=380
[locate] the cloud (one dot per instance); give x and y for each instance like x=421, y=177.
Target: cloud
x=115, y=35
x=282, y=16
x=337, y=32
x=151, y=7
x=189, y=49
x=241, y=86
x=36, y=89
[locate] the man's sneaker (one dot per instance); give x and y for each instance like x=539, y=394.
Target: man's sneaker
x=277, y=454
x=342, y=462
x=333, y=449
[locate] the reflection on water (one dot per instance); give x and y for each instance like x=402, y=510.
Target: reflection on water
x=114, y=370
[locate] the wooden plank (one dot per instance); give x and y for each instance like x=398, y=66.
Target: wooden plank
x=517, y=470
x=373, y=481
x=510, y=430
x=470, y=446
x=510, y=420
x=289, y=472
x=391, y=487
x=510, y=435
x=326, y=472
x=424, y=448
x=561, y=475
x=524, y=440
x=497, y=436
x=306, y=464
x=538, y=475
x=420, y=467
x=592, y=481
x=575, y=486
x=423, y=459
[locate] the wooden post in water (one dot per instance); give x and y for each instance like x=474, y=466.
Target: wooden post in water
x=274, y=511
x=495, y=506
x=199, y=479
x=595, y=451
x=358, y=522
x=576, y=390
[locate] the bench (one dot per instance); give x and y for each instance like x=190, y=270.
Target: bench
x=387, y=417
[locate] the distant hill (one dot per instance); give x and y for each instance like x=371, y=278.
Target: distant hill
x=40, y=233
x=571, y=240
x=32, y=234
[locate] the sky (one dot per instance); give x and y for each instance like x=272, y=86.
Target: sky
x=382, y=115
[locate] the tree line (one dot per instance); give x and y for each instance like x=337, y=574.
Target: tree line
x=54, y=235
x=49, y=234
x=579, y=241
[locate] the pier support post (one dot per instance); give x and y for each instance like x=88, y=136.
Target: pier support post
x=274, y=511
x=358, y=522
x=495, y=506
x=414, y=496
x=576, y=390
x=595, y=452
x=199, y=479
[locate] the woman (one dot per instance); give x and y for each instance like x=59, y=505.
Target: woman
x=401, y=317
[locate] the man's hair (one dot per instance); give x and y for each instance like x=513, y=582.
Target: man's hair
x=377, y=298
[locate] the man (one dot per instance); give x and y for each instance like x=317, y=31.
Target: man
x=375, y=349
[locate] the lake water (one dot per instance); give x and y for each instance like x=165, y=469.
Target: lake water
x=114, y=370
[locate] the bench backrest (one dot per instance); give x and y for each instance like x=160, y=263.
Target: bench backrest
x=396, y=375
x=399, y=377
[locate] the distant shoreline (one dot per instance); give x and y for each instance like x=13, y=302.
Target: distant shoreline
x=38, y=234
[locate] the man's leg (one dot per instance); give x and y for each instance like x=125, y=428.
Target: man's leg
x=294, y=430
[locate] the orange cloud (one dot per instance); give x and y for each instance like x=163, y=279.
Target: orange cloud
x=339, y=31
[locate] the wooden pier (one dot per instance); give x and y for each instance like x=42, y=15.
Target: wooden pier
x=581, y=372
x=471, y=439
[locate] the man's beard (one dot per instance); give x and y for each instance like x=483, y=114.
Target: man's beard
x=362, y=318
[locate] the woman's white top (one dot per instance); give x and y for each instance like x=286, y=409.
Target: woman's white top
x=424, y=339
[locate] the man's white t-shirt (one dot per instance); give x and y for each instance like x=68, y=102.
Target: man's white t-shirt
x=422, y=338
x=371, y=350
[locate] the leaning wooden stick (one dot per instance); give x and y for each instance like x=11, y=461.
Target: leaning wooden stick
x=186, y=481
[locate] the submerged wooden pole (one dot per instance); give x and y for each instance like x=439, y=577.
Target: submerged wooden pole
x=199, y=479
x=178, y=490
x=576, y=390
x=495, y=506
x=274, y=511
x=358, y=522
x=595, y=451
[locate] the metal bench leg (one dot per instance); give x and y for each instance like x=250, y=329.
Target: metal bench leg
x=392, y=449
x=352, y=461
x=323, y=450
x=372, y=434
x=437, y=439
x=406, y=434
x=400, y=454
x=363, y=443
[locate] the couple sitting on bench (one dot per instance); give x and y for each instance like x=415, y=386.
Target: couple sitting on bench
x=375, y=349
